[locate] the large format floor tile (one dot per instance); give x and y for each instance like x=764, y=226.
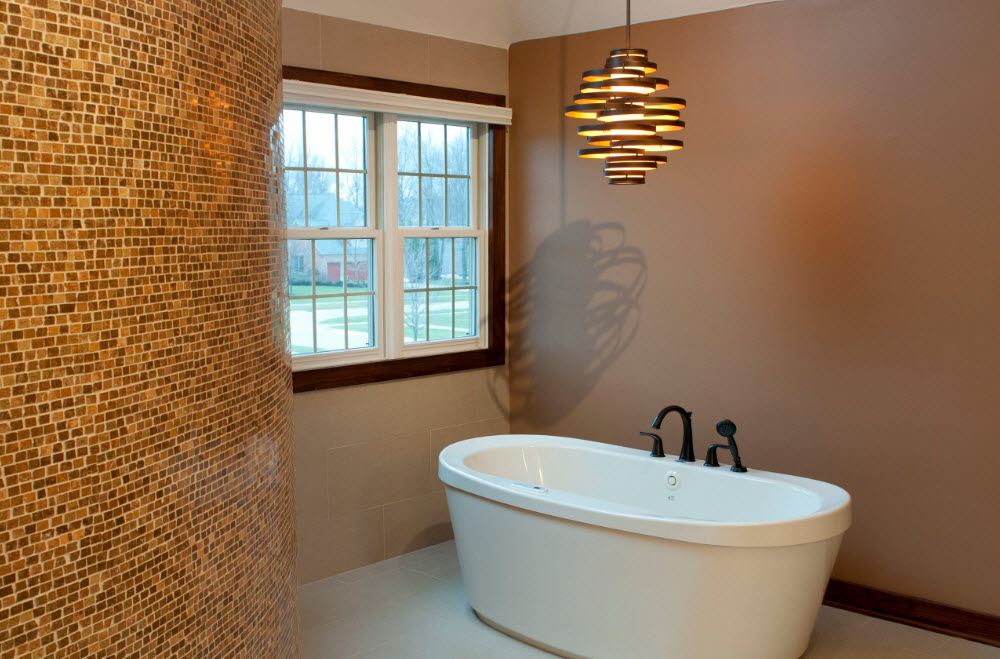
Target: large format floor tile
x=414, y=607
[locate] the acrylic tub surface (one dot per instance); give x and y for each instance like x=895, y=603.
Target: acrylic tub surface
x=595, y=550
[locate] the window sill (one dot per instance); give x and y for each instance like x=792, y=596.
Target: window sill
x=395, y=369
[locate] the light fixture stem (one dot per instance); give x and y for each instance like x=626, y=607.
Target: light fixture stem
x=628, y=23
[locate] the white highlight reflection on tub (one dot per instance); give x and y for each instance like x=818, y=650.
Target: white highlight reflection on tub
x=594, y=550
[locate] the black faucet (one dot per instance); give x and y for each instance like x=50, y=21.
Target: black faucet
x=687, y=447
x=657, y=451
x=727, y=429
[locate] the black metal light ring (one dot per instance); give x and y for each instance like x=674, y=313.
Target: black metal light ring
x=629, y=52
x=605, y=86
x=606, y=152
x=646, y=129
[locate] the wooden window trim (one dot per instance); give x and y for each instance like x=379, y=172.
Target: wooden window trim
x=495, y=352
x=391, y=86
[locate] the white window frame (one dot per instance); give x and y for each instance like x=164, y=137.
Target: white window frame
x=322, y=359
x=383, y=111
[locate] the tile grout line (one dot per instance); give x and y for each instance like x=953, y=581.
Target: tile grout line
x=384, y=534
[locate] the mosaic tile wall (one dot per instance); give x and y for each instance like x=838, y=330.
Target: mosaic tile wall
x=145, y=467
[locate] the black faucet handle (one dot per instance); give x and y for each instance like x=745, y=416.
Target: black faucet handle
x=657, y=451
x=712, y=457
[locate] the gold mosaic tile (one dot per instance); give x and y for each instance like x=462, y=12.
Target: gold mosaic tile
x=145, y=468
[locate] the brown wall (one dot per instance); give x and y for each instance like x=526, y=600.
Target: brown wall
x=366, y=457
x=820, y=264
x=145, y=454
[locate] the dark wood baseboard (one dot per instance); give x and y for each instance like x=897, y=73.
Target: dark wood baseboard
x=913, y=611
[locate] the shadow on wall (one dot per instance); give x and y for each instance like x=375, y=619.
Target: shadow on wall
x=574, y=308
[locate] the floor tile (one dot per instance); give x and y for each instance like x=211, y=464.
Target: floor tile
x=330, y=600
x=432, y=562
x=414, y=607
x=447, y=548
x=369, y=571
x=360, y=633
x=959, y=648
x=399, y=649
x=839, y=636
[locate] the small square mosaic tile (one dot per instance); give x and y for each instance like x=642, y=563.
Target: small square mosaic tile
x=145, y=479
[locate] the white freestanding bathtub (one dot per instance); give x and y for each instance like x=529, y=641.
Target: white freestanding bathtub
x=593, y=550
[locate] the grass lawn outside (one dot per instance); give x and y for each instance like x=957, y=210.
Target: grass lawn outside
x=329, y=321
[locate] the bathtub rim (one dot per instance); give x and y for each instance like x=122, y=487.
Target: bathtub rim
x=832, y=518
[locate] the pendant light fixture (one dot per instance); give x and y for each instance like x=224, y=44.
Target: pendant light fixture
x=629, y=120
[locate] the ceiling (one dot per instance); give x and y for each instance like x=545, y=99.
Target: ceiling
x=503, y=22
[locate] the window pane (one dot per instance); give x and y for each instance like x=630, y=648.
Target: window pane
x=432, y=201
x=458, y=202
x=291, y=127
x=332, y=281
x=415, y=263
x=465, y=262
x=329, y=267
x=414, y=317
x=295, y=198
x=352, y=200
x=439, y=262
x=409, y=201
x=351, y=141
x=300, y=267
x=360, y=321
x=321, y=140
x=301, y=326
x=466, y=316
x=431, y=148
x=440, y=315
x=330, y=334
x=458, y=150
x=359, y=265
x=322, y=199
x=407, y=151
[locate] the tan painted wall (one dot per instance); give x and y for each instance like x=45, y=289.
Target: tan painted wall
x=336, y=44
x=820, y=265
x=365, y=457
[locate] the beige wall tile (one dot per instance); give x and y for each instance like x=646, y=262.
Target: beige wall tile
x=317, y=426
x=377, y=472
x=363, y=420
x=416, y=523
x=352, y=415
x=442, y=437
x=336, y=44
x=467, y=65
x=340, y=544
x=345, y=458
x=311, y=499
x=373, y=50
x=301, y=39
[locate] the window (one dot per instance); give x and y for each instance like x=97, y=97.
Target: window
x=333, y=301
x=389, y=240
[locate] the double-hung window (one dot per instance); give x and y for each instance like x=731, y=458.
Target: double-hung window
x=387, y=225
